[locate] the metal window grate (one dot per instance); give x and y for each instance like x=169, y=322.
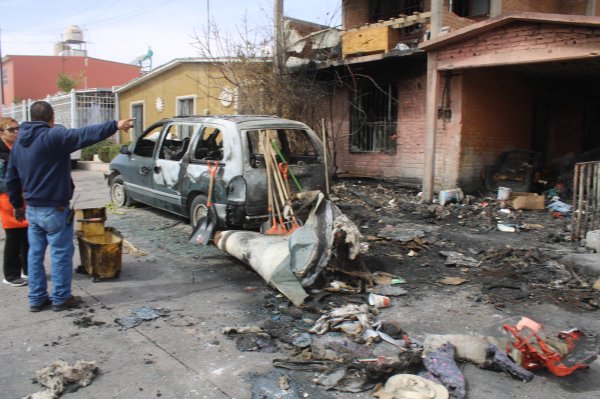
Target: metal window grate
x=586, y=199
x=373, y=119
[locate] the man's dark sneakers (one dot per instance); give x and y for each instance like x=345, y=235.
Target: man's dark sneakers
x=18, y=282
x=68, y=304
x=36, y=308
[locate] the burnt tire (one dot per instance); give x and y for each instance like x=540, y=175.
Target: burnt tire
x=198, y=209
x=118, y=194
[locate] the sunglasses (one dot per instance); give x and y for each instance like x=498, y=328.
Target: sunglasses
x=12, y=129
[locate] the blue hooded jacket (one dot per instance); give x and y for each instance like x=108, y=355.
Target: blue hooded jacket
x=40, y=164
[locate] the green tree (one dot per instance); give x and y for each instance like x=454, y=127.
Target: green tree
x=65, y=82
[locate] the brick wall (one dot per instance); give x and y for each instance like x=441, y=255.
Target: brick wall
x=454, y=21
x=522, y=36
x=497, y=114
x=571, y=7
x=406, y=164
x=549, y=6
x=355, y=13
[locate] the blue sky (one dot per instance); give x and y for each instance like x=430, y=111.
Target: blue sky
x=121, y=30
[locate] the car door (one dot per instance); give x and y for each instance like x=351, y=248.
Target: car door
x=137, y=173
x=169, y=165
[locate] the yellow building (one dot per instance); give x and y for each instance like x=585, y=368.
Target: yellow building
x=184, y=86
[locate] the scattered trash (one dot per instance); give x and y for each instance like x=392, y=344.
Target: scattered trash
x=382, y=278
x=592, y=240
x=561, y=207
x=452, y=281
x=405, y=386
x=469, y=348
x=498, y=360
x=406, y=231
x=402, y=47
x=450, y=196
x=504, y=193
x=388, y=290
x=351, y=319
x=290, y=263
x=458, y=259
x=141, y=314
x=442, y=369
x=526, y=201
x=60, y=377
x=572, y=351
x=508, y=227
x=379, y=301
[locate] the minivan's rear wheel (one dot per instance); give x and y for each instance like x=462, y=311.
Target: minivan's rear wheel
x=118, y=195
x=198, y=209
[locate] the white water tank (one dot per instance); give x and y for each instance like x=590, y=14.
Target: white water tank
x=74, y=34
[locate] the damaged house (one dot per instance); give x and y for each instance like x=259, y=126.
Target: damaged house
x=432, y=92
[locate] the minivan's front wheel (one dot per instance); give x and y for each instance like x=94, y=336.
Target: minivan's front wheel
x=198, y=209
x=118, y=195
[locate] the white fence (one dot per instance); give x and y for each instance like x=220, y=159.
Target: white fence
x=75, y=109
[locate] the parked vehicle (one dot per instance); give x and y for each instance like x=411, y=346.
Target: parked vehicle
x=167, y=167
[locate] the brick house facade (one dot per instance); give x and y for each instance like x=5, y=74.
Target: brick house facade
x=518, y=80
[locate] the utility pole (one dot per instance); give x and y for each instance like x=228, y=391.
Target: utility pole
x=278, y=37
x=208, y=25
x=431, y=105
x=1, y=71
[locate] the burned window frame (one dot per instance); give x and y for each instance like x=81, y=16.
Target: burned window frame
x=174, y=147
x=467, y=8
x=284, y=139
x=209, y=148
x=381, y=10
x=370, y=129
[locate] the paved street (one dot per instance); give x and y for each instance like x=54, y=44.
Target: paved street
x=181, y=355
x=198, y=292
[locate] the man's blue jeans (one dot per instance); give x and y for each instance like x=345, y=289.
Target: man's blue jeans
x=48, y=226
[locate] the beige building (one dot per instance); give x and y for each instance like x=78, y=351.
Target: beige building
x=184, y=86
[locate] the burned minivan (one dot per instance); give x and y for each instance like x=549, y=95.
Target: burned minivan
x=169, y=166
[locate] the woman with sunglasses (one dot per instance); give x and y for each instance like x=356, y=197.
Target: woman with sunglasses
x=16, y=244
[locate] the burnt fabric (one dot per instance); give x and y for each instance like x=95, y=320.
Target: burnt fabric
x=442, y=368
x=498, y=360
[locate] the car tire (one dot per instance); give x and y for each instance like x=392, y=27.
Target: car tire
x=118, y=194
x=198, y=209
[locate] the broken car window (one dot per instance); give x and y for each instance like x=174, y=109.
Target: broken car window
x=145, y=145
x=209, y=145
x=294, y=144
x=175, y=142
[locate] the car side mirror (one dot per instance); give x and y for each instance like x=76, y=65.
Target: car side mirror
x=124, y=149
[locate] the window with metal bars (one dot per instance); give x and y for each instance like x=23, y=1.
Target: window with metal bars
x=381, y=10
x=373, y=118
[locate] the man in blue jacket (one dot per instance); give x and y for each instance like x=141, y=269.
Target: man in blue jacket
x=39, y=171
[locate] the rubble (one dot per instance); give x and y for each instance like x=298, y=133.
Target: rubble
x=60, y=377
x=349, y=345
